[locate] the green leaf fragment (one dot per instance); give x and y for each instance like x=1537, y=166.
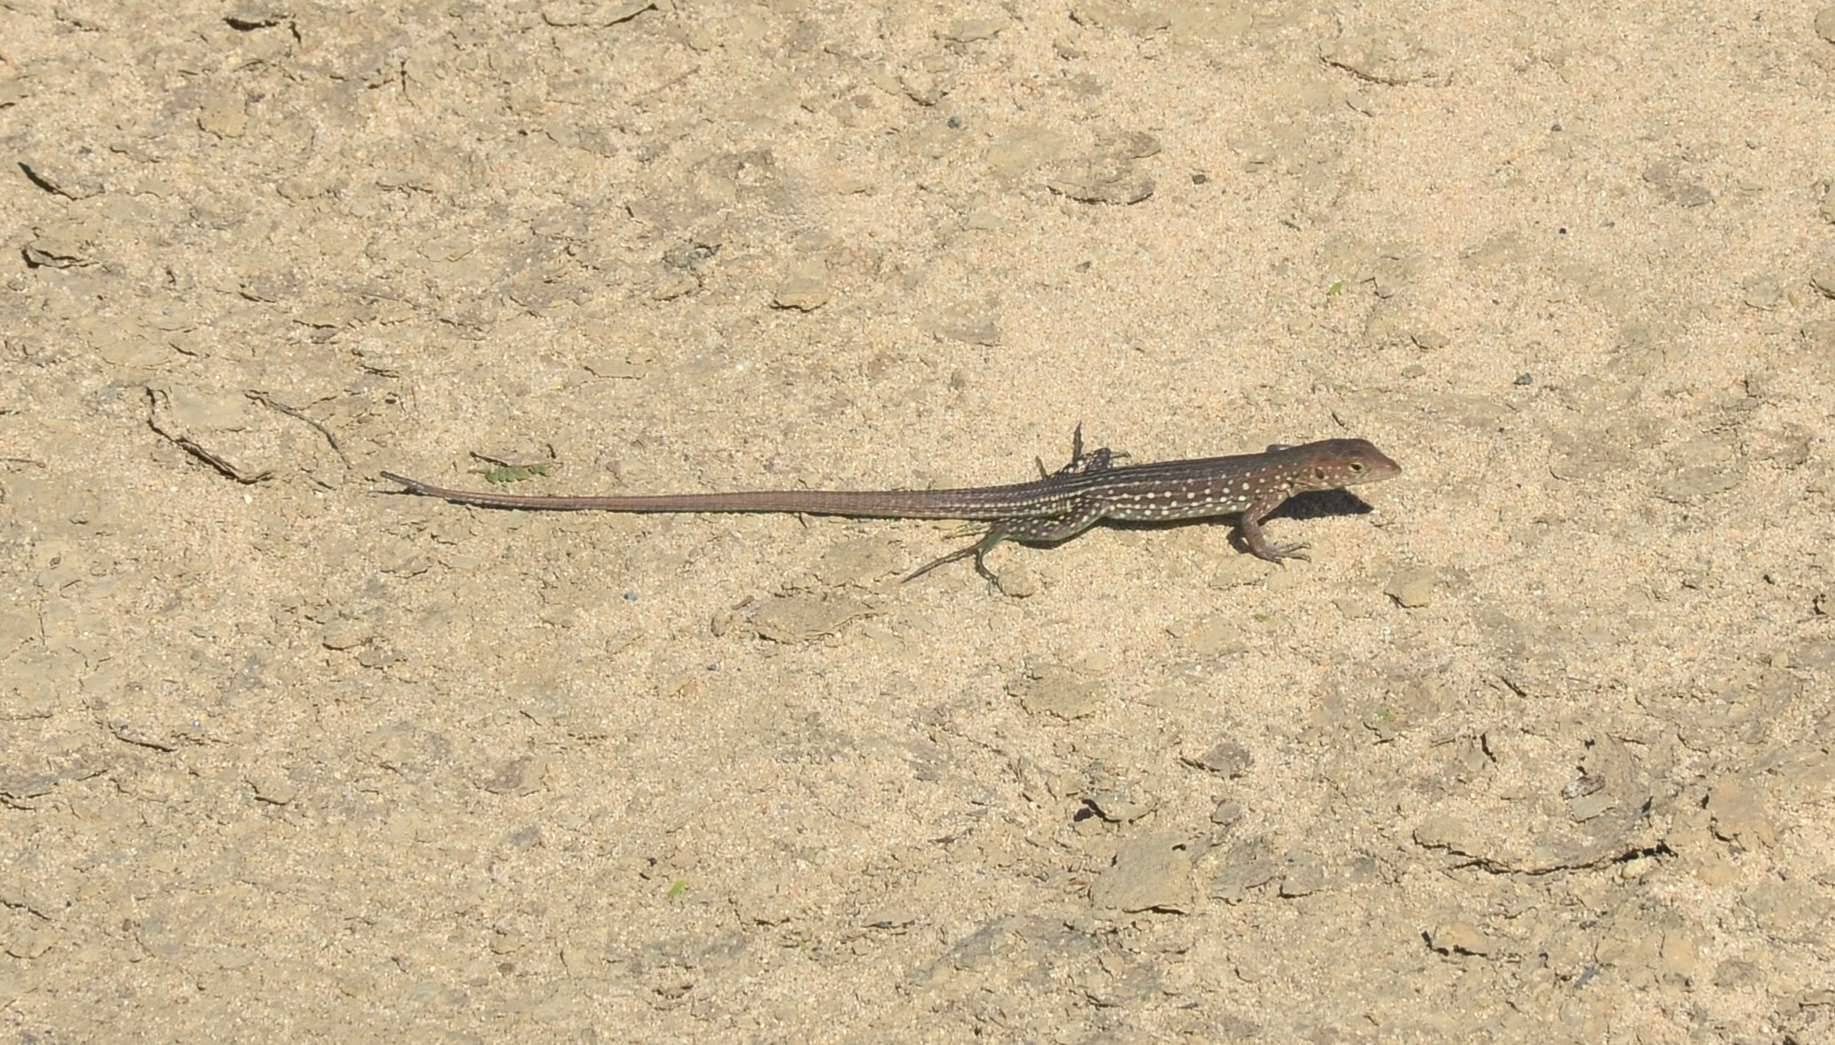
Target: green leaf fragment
x=515, y=473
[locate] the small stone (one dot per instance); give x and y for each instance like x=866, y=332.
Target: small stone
x=1303, y=880
x=802, y=291
x=1780, y=907
x=31, y=944
x=128, y=347
x=672, y=284
x=974, y=324
x=1411, y=589
x=968, y=30
x=1394, y=58
x=1226, y=759
x=1816, y=998
x=1445, y=832
x=224, y=117
x=1824, y=279
x=1679, y=959
x=1118, y=807
x=1590, y=806
x=1819, y=334
x=519, y=776
x=346, y=633
x=1676, y=186
x=58, y=248
x=58, y=174
x=1739, y=816
x=376, y=656
x=217, y=427
x=1736, y=973
x=614, y=366
x=895, y=915
x=1018, y=582
x=920, y=86
x=1219, y=634
x=768, y=903
x=1109, y=172
x=1764, y=293
x=983, y=219
x=1825, y=23
x=1702, y=467
x=1104, y=14
x=1459, y=937
x=857, y=562
x=1150, y=873
x=805, y=618
x=273, y=788
x=580, y=957
x=1248, y=866
x=598, y=14
x=1057, y=691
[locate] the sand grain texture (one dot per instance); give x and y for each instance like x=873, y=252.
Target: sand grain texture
x=1538, y=746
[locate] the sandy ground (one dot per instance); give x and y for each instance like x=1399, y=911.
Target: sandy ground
x=1540, y=745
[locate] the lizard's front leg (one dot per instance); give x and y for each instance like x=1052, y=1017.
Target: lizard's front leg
x=1249, y=524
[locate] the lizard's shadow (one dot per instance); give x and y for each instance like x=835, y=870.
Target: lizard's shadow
x=1313, y=504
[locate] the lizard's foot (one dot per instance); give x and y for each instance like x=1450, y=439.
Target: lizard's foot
x=1276, y=553
x=1249, y=528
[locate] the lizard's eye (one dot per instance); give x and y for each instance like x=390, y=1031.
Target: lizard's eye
x=1357, y=466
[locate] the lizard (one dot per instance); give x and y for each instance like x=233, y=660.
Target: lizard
x=1052, y=508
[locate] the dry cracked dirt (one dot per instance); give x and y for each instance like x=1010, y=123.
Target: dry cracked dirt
x=1536, y=747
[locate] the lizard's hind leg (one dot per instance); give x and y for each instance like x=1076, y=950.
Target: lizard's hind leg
x=1046, y=529
x=979, y=550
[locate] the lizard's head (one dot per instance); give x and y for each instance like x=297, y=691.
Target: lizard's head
x=1336, y=463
